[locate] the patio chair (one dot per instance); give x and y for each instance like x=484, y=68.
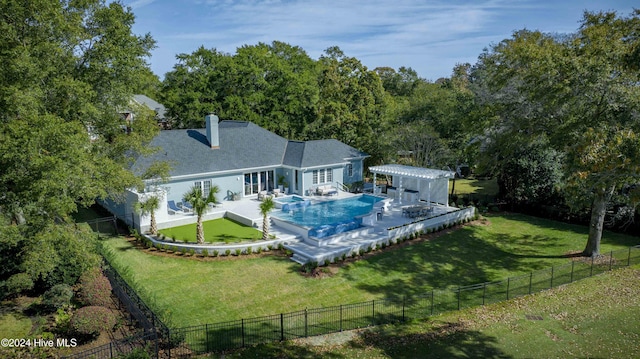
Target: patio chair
x=174, y=207
x=187, y=206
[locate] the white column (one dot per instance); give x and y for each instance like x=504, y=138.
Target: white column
x=374, y=183
x=400, y=190
x=429, y=194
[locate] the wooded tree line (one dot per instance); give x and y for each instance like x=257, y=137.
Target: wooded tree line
x=553, y=117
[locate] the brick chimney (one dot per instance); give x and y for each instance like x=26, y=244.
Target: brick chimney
x=213, y=134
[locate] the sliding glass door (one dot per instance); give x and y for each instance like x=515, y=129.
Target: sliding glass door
x=255, y=182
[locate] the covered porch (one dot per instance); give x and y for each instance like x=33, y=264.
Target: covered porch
x=414, y=184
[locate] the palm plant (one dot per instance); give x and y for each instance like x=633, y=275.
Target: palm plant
x=200, y=203
x=149, y=207
x=265, y=207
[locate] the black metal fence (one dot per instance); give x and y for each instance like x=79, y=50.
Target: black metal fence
x=104, y=226
x=310, y=322
x=146, y=342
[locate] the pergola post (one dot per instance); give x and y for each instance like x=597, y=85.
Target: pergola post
x=400, y=191
x=429, y=193
x=375, y=190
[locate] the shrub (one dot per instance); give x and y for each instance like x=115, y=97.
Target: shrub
x=92, y=320
x=94, y=289
x=270, y=247
x=183, y=250
x=249, y=250
x=280, y=246
x=16, y=284
x=259, y=250
x=192, y=251
x=216, y=253
x=173, y=238
x=137, y=353
x=205, y=252
x=227, y=252
x=344, y=256
x=57, y=297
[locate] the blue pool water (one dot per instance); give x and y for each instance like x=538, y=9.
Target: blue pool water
x=329, y=212
x=289, y=199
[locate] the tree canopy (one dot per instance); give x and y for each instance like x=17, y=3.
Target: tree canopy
x=580, y=93
x=69, y=68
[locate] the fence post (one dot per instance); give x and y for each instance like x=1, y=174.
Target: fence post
x=551, y=284
x=403, y=304
x=432, y=299
x=484, y=292
x=530, y=281
x=206, y=331
x=306, y=323
x=508, y=285
x=281, y=327
x=340, y=317
x=610, y=260
x=572, y=265
x=373, y=310
x=242, y=331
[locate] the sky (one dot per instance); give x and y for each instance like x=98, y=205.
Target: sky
x=428, y=36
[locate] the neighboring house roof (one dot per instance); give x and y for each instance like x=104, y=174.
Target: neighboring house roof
x=243, y=145
x=151, y=104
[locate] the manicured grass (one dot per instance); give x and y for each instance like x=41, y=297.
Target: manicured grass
x=595, y=318
x=475, y=187
x=216, y=230
x=221, y=290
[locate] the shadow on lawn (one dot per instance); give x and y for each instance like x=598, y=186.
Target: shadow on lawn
x=449, y=340
x=457, y=258
x=608, y=237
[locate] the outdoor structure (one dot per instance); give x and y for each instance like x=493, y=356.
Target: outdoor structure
x=244, y=160
x=411, y=184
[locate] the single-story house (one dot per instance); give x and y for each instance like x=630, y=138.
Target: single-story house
x=243, y=160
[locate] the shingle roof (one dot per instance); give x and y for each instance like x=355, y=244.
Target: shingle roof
x=243, y=145
x=319, y=152
x=152, y=104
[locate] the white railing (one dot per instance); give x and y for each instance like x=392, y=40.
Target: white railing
x=342, y=187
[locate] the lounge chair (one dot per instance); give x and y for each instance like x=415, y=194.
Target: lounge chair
x=187, y=207
x=173, y=207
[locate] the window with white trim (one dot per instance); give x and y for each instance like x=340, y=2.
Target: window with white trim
x=205, y=187
x=324, y=175
x=350, y=170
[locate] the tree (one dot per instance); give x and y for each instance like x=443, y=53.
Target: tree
x=200, y=203
x=571, y=90
x=149, y=207
x=266, y=206
x=352, y=106
x=68, y=68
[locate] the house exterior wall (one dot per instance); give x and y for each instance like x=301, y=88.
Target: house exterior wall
x=228, y=184
x=357, y=169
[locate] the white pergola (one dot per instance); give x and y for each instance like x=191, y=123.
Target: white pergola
x=419, y=174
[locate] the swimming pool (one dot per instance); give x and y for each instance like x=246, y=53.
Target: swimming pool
x=329, y=212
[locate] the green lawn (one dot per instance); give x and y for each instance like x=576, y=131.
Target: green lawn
x=475, y=187
x=221, y=290
x=595, y=318
x=215, y=231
